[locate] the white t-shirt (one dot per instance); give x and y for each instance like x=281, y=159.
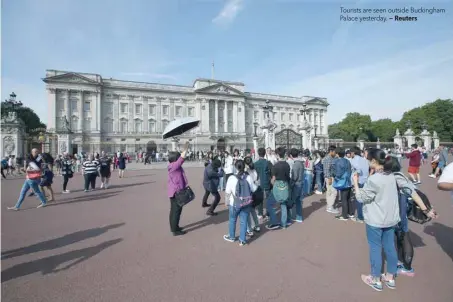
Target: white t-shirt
x=230, y=188
x=447, y=176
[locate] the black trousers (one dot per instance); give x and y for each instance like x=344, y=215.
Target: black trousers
x=90, y=179
x=347, y=203
x=3, y=173
x=65, y=181
x=175, y=215
x=216, y=200
x=405, y=248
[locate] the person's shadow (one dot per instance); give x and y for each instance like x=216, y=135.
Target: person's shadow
x=59, y=242
x=50, y=264
x=221, y=217
x=313, y=207
x=443, y=235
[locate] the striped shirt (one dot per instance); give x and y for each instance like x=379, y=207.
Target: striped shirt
x=327, y=162
x=90, y=166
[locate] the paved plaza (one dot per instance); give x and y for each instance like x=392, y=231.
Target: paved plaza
x=115, y=245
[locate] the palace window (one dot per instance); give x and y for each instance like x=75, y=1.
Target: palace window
x=178, y=111
x=123, y=108
x=290, y=117
x=165, y=109
x=108, y=108
x=274, y=116
x=123, y=126
x=74, y=123
x=164, y=125
x=138, y=109
x=86, y=106
x=191, y=111
x=108, y=125
x=255, y=115
x=138, y=126
x=74, y=106
x=87, y=124
x=151, y=126
x=152, y=109
x=282, y=116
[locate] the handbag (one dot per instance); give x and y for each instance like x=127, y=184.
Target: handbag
x=184, y=196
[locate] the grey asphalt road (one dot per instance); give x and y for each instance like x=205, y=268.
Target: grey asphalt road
x=115, y=245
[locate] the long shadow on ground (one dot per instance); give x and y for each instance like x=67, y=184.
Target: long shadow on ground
x=50, y=264
x=443, y=235
x=59, y=242
x=116, y=186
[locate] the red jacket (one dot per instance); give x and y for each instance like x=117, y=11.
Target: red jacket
x=415, y=158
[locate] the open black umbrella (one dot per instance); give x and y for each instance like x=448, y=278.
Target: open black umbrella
x=180, y=126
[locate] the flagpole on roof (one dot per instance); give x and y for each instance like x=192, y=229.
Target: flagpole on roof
x=212, y=70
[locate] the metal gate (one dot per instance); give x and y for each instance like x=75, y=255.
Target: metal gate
x=288, y=139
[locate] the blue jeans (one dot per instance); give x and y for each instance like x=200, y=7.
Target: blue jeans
x=319, y=181
x=359, y=206
x=30, y=184
x=243, y=216
x=220, y=188
x=253, y=216
x=270, y=203
x=308, y=179
x=378, y=239
x=404, y=223
x=297, y=197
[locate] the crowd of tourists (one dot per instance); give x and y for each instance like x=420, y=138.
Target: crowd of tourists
x=368, y=186
x=41, y=168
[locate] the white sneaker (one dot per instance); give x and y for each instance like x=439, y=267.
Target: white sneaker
x=66, y=191
x=102, y=185
x=42, y=205
x=432, y=175
x=318, y=192
x=332, y=210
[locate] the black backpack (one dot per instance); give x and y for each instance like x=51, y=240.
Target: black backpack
x=416, y=214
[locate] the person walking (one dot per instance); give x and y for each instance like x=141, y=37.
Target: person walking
x=67, y=171
x=32, y=180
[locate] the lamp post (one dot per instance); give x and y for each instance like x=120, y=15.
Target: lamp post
x=304, y=110
x=12, y=103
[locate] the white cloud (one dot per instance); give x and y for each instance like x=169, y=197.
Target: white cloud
x=386, y=88
x=229, y=11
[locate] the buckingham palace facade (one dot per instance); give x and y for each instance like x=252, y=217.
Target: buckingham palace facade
x=90, y=113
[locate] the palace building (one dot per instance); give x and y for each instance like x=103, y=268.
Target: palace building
x=90, y=113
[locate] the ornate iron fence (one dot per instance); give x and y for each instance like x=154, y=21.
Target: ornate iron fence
x=288, y=139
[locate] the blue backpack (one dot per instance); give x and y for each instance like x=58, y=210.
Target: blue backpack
x=243, y=194
x=343, y=182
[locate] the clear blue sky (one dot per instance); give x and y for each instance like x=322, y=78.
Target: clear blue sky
x=285, y=47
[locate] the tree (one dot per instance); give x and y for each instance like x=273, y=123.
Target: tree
x=27, y=115
x=436, y=116
x=353, y=126
x=384, y=129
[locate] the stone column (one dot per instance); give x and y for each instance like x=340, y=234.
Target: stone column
x=225, y=117
x=316, y=143
x=68, y=106
x=80, y=109
x=361, y=144
x=145, y=126
x=98, y=112
x=216, y=129
x=255, y=146
x=52, y=107
x=235, y=117
x=130, y=126
x=174, y=144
